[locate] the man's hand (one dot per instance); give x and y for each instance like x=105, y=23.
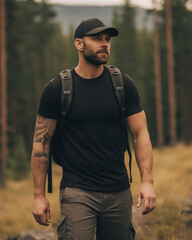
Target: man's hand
x=41, y=210
x=146, y=192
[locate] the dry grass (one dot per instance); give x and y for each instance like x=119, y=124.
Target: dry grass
x=16, y=205
x=172, y=175
x=172, y=181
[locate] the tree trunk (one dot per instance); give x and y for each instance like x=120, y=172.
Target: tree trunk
x=3, y=76
x=170, y=72
x=14, y=122
x=157, y=70
x=183, y=83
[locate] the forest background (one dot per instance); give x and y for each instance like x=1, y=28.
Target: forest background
x=37, y=49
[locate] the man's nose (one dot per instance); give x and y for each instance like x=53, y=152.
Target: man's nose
x=105, y=43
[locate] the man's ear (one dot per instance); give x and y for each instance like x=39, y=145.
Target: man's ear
x=79, y=44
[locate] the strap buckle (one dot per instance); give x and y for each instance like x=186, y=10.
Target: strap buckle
x=120, y=88
x=67, y=92
x=66, y=77
x=115, y=73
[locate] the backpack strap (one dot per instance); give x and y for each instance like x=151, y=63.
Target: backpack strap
x=66, y=98
x=119, y=89
x=66, y=95
x=50, y=173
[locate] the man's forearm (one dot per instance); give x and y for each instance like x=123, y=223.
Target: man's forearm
x=39, y=171
x=144, y=156
x=40, y=155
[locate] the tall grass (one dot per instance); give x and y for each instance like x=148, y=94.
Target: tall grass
x=16, y=205
x=172, y=181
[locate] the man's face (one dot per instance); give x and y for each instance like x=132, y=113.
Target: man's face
x=96, y=48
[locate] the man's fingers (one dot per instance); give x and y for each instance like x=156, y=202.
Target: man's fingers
x=146, y=206
x=36, y=218
x=146, y=210
x=153, y=203
x=41, y=219
x=139, y=200
x=48, y=216
x=150, y=204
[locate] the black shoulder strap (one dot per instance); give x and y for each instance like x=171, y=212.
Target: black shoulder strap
x=118, y=85
x=50, y=173
x=66, y=95
x=66, y=98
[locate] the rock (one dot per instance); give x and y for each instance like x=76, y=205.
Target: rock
x=187, y=205
x=35, y=235
x=38, y=235
x=140, y=221
x=9, y=238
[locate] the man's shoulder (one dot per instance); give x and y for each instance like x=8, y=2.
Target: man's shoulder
x=55, y=81
x=128, y=81
x=53, y=84
x=126, y=77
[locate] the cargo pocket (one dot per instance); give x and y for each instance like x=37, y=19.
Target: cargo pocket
x=132, y=232
x=61, y=194
x=64, y=228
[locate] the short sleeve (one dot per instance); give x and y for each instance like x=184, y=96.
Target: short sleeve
x=132, y=99
x=50, y=101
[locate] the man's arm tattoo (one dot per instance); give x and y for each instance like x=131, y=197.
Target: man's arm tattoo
x=43, y=133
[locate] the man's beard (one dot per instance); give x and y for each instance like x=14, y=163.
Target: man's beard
x=93, y=57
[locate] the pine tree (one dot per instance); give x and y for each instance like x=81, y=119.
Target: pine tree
x=3, y=77
x=125, y=46
x=171, y=79
x=182, y=31
x=39, y=53
x=157, y=70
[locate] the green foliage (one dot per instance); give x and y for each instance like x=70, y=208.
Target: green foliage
x=124, y=48
x=37, y=51
x=182, y=32
x=145, y=79
x=133, y=53
x=18, y=163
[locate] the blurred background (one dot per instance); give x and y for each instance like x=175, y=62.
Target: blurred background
x=154, y=47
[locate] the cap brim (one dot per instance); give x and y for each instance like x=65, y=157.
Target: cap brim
x=110, y=30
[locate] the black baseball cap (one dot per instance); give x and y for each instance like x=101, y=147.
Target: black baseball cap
x=93, y=26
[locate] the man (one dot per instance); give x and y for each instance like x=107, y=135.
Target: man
x=95, y=190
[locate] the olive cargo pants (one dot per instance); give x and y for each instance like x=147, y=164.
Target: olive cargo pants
x=84, y=211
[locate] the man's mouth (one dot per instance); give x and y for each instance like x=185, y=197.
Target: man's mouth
x=103, y=52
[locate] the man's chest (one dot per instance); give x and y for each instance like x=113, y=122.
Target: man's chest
x=93, y=101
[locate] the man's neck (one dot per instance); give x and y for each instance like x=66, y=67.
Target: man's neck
x=89, y=71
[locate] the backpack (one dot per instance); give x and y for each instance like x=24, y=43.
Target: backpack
x=66, y=99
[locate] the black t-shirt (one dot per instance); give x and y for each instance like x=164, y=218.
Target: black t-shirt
x=93, y=148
